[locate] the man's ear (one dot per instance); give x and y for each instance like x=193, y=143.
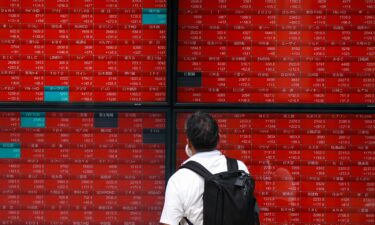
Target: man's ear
x=191, y=146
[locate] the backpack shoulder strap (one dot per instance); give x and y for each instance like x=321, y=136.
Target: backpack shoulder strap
x=197, y=168
x=232, y=164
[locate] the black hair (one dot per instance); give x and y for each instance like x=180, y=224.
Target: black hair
x=202, y=131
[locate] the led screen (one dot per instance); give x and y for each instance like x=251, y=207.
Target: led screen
x=276, y=51
x=81, y=167
x=83, y=51
x=309, y=168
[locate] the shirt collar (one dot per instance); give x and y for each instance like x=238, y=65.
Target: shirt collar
x=200, y=155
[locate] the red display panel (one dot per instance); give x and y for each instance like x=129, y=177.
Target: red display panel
x=82, y=167
x=276, y=51
x=83, y=51
x=309, y=168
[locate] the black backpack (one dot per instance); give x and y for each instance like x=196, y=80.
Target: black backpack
x=228, y=197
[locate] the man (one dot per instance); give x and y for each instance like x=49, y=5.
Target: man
x=183, y=196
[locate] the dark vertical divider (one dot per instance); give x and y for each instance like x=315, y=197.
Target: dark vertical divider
x=173, y=138
x=169, y=153
x=172, y=44
x=172, y=25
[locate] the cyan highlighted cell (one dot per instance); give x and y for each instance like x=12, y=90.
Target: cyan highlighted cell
x=33, y=120
x=154, y=16
x=10, y=151
x=148, y=19
x=56, y=94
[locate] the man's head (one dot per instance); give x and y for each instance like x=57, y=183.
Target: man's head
x=202, y=132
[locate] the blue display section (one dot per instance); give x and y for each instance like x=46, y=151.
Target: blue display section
x=189, y=79
x=106, y=120
x=56, y=94
x=153, y=135
x=33, y=119
x=10, y=150
x=154, y=16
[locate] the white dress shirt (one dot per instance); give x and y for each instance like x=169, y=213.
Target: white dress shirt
x=184, y=193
